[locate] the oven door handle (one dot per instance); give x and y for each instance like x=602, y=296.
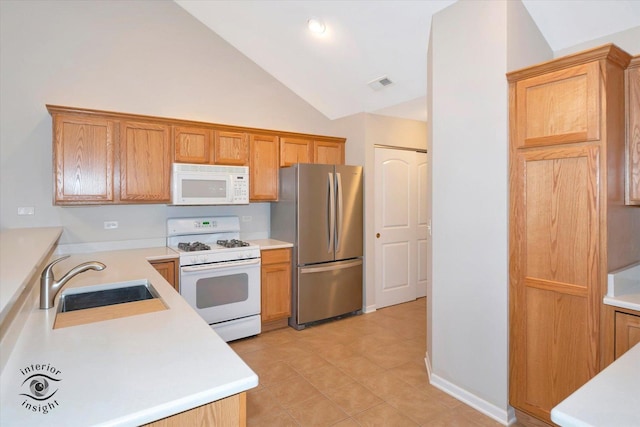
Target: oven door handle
x=218, y=266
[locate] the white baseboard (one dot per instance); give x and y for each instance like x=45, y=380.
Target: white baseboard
x=427, y=363
x=498, y=414
x=369, y=309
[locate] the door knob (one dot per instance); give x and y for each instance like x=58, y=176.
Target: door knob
x=377, y=235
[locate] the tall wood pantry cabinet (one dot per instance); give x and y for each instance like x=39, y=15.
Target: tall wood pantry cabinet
x=568, y=224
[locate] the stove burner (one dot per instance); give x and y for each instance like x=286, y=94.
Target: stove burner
x=192, y=247
x=233, y=243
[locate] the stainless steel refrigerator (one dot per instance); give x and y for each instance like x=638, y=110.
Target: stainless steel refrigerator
x=320, y=211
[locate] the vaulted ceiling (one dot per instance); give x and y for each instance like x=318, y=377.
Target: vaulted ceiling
x=368, y=40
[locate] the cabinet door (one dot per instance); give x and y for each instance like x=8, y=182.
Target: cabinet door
x=295, y=150
x=83, y=157
x=633, y=133
x=192, y=145
x=145, y=162
x=559, y=107
x=263, y=167
x=231, y=148
x=627, y=332
x=276, y=284
x=168, y=270
x=328, y=152
x=554, y=271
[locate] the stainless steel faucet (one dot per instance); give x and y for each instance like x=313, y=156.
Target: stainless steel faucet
x=49, y=287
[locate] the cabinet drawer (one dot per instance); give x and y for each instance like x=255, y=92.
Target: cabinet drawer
x=275, y=256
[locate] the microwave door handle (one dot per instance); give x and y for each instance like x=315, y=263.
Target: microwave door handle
x=331, y=214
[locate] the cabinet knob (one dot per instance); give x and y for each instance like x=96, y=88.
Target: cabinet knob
x=377, y=235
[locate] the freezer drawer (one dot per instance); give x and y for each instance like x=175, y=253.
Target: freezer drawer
x=329, y=290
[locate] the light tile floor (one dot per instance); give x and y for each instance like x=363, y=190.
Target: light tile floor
x=365, y=370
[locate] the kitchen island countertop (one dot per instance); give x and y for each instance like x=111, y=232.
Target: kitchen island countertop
x=126, y=371
x=611, y=398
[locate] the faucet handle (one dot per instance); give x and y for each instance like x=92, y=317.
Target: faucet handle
x=47, y=270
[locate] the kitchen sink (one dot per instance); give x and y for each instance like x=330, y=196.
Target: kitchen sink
x=106, y=295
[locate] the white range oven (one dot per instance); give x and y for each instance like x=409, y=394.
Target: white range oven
x=219, y=274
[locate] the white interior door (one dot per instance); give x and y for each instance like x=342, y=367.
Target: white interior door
x=424, y=226
x=401, y=225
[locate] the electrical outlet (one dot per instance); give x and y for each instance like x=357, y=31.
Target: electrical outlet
x=26, y=210
x=110, y=225
x=246, y=218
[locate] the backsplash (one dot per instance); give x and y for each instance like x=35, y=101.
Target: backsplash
x=145, y=225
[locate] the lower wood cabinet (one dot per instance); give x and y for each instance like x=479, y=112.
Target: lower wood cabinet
x=168, y=268
x=276, y=287
x=627, y=332
x=228, y=412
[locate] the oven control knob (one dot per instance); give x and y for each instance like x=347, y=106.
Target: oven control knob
x=202, y=258
x=194, y=259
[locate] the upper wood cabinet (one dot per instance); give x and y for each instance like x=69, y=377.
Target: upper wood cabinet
x=231, y=148
x=567, y=224
x=559, y=107
x=633, y=132
x=263, y=167
x=145, y=162
x=103, y=157
x=328, y=152
x=303, y=150
x=192, y=145
x=83, y=150
x=295, y=150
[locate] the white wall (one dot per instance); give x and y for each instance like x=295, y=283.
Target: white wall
x=145, y=57
x=628, y=40
x=468, y=324
x=364, y=131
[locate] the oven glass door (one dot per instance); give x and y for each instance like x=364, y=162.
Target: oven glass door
x=222, y=291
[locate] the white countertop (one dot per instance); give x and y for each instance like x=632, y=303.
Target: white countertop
x=610, y=399
x=126, y=371
x=22, y=250
x=266, y=244
x=623, y=288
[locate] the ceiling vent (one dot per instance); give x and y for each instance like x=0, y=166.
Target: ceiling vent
x=380, y=83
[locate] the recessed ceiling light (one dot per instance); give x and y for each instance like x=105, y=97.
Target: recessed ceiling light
x=316, y=26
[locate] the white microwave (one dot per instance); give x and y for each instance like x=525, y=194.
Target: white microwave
x=193, y=184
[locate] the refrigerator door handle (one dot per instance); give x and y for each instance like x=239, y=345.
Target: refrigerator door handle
x=332, y=213
x=339, y=213
x=332, y=267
